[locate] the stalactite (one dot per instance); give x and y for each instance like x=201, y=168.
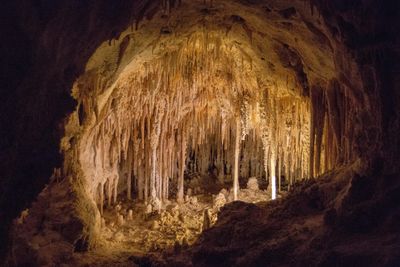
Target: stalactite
x=177, y=105
x=109, y=192
x=279, y=173
x=129, y=175
x=101, y=197
x=236, y=162
x=181, y=166
x=115, y=195
x=273, y=174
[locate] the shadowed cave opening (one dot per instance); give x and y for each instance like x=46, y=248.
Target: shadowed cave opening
x=217, y=133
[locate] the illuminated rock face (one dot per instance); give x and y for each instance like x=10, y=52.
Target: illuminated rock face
x=173, y=88
x=211, y=84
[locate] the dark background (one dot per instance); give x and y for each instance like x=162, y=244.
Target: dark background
x=45, y=45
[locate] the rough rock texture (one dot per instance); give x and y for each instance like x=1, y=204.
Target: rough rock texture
x=323, y=222
x=252, y=184
x=342, y=56
x=45, y=46
x=152, y=99
x=50, y=242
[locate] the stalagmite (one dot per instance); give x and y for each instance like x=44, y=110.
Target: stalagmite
x=120, y=219
x=130, y=215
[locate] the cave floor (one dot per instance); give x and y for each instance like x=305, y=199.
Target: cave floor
x=153, y=234
x=154, y=231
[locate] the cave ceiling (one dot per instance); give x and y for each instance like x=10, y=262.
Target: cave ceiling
x=183, y=72
x=278, y=44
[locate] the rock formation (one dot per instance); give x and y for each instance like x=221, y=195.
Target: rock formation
x=109, y=104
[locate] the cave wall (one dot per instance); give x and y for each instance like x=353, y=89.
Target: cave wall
x=367, y=30
x=46, y=46
x=48, y=43
x=200, y=75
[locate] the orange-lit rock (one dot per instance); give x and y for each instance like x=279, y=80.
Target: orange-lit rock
x=121, y=121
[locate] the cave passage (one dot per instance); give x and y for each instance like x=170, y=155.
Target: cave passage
x=181, y=107
x=192, y=123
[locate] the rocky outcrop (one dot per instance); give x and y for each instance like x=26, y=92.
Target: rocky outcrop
x=320, y=223
x=51, y=229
